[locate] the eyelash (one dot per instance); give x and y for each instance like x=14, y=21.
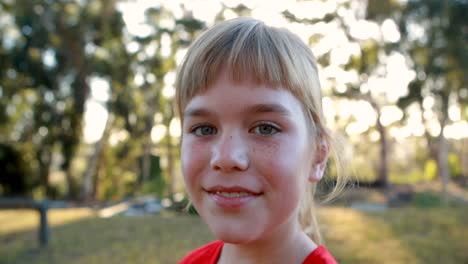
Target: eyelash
x=197, y=130
x=273, y=127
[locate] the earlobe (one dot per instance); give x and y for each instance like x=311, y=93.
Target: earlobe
x=317, y=173
x=321, y=157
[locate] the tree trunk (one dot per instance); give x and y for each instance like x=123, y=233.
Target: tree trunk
x=442, y=160
x=149, y=123
x=87, y=184
x=170, y=153
x=464, y=157
x=382, y=174
x=383, y=167
x=76, y=59
x=170, y=166
x=44, y=157
x=100, y=171
x=429, y=139
x=85, y=194
x=71, y=184
x=146, y=162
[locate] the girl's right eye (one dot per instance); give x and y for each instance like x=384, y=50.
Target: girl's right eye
x=203, y=130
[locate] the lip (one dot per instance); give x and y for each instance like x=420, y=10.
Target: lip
x=232, y=197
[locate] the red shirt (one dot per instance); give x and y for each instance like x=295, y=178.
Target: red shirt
x=209, y=254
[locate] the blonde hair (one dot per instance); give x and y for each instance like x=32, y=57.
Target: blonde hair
x=249, y=48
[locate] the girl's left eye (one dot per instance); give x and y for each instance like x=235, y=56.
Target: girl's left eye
x=265, y=130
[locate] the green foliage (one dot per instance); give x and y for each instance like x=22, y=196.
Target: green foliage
x=364, y=162
x=412, y=177
x=426, y=200
x=455, y=165
x=14, y=178
x=378, y=9
x=430, y=170
x=441, y=55
x=155, y=186
x=191, y=210
x=156, y=183
x=51, y=60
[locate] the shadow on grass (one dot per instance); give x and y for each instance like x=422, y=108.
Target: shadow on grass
x=148, y=239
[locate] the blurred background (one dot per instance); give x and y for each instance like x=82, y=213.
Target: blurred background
x=88, y=127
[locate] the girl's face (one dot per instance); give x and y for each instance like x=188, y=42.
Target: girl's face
x=246, y=158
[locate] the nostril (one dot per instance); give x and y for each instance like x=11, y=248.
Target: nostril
x=230, y=162
x=216, y=168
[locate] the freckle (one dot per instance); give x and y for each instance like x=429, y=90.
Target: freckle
x=269, y=152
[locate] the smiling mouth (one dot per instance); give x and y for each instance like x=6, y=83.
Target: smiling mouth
x=231, y=194
x=232, y=198
x=229, y=200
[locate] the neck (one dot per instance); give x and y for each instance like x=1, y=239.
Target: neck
x=283, y=246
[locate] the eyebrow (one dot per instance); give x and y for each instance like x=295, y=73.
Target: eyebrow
x=268, y=108
x=196, y=112
x=254, y=109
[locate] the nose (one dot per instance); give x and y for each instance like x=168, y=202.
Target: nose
x=230, y=154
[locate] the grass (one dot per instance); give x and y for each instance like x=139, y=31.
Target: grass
x=12, y=221
x=401, y=235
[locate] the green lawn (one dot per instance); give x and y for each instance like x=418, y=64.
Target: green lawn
x=403, y=235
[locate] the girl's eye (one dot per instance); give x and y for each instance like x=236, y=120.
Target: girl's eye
x=265, y=130
x=204, y=130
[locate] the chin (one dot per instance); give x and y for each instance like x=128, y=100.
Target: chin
x=233, y=239
x=233, y=236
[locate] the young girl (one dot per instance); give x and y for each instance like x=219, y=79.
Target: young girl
x=254, y=143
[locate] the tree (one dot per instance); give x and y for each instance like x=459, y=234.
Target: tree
x=60, y=45
x=13, y=179
x=367, y=63
x=440, y=58
x=178, y=35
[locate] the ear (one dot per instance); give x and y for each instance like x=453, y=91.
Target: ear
x=320, y=161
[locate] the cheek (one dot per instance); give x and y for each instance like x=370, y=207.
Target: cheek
x=193, y=159
x=282, y=163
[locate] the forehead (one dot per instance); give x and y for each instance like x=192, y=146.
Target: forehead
x=243, y=96
x=224, y=80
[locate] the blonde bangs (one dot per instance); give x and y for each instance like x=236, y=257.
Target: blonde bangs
x=250, y=50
